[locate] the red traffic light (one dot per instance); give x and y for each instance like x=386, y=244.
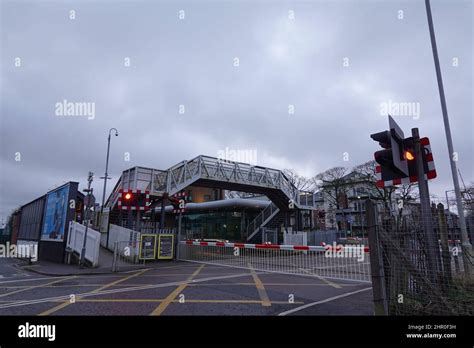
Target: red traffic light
x=128, y=196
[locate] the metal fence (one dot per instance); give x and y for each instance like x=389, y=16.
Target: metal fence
x=328, y=237
x=127, y=248
x=126, y=256
x=416, y=271
x=345, y=263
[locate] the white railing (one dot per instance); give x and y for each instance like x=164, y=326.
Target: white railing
x=75, y=241
x=295, y=238
x=317, y=261
x=121, y=234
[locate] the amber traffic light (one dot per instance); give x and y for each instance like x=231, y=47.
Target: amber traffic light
x=409, y=155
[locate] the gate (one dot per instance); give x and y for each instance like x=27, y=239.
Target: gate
x=126, y=256
x=348, y=262
x=126, y=253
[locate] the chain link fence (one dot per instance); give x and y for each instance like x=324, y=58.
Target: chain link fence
x=416, y=271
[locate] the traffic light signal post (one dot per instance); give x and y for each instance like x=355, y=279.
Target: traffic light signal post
x=406, y=160
x=425, y=208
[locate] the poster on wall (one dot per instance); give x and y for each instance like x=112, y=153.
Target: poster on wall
x=55, y=215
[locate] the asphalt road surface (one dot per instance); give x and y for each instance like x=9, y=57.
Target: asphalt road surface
x=180, y=288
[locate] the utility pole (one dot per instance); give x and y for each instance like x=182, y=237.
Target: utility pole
x=466, y=245
x=89, y=191
x=106, y=177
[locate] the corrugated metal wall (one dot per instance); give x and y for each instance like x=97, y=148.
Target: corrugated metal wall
x=31, y=220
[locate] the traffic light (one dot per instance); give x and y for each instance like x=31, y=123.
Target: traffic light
x=178, y=201
x=133, y=200
x=409, y=155
x=392, y=159
x=397, y=160
x=427, y=157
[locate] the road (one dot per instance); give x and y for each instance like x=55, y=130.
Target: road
x=179, y=288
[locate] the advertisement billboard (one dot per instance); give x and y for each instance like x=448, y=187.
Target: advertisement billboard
x=56, y=208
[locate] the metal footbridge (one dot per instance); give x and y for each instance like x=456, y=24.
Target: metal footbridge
x=205, y=171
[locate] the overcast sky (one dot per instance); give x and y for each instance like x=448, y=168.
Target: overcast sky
x=334, y=63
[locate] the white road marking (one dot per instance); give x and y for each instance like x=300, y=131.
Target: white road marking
x=31, y=279
x=323, y=301
x=113, y=291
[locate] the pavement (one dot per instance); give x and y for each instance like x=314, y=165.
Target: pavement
x=178, y=288
x=57, y=269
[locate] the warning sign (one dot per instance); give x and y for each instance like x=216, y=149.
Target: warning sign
x=147, y=247
x=165, y=246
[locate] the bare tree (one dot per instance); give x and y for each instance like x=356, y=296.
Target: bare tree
x=408, y=192
x=302, y=183
x=333, y=184
x=368, y=174
x=468, y=199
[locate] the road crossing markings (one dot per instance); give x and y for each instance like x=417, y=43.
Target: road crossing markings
x=120, y=290
x=67, y=303
x=35, y=286
x=260, y=288
x=163, y=305
x=328, y=282
x=323, y=301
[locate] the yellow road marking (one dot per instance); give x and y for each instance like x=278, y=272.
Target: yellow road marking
x=196, y=284
x=67, y=303
x=163, y=305
x=328, y=282
x=260, y=288
x=34, y=287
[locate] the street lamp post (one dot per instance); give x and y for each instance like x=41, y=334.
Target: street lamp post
x=89, y=191
x=466, y=244
x=106, y=177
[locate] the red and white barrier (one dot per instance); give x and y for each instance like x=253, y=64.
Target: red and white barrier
x=267, y=246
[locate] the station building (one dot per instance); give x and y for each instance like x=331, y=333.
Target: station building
x=42, y=224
